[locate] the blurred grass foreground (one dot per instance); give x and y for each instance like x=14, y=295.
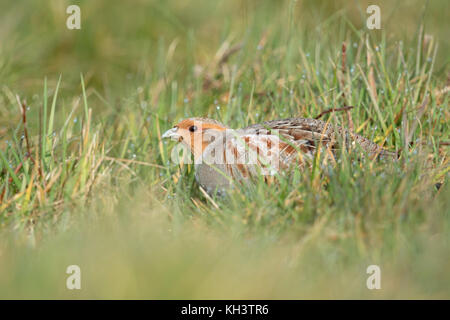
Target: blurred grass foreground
x=86, y=180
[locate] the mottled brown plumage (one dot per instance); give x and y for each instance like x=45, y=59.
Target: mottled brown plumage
x=224, y=155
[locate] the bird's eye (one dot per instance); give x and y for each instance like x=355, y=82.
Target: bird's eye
x=192, y=128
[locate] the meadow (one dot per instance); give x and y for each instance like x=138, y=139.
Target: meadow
x=85, y=178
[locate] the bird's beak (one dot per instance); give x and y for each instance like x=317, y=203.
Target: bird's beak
x=172, y=134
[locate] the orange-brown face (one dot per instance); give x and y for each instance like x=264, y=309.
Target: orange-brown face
x=192, y=131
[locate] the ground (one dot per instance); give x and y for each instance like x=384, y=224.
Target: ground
x=86, y=180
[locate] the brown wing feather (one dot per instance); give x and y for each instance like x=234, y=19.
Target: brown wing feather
x=317, y=131
x=250, y=154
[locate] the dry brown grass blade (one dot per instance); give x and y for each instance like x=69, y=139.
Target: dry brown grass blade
x=370, y=76
x=343, y=87
x=217, y=66
x=23, y=111
x=227, y=54
x=209, y=198
x=130, y=161
x=420, y=113
x=345, y=108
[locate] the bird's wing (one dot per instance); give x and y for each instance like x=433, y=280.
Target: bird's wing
x=316, y=132
x=243, y=155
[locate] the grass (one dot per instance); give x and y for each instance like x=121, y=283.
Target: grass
x=85, y=178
